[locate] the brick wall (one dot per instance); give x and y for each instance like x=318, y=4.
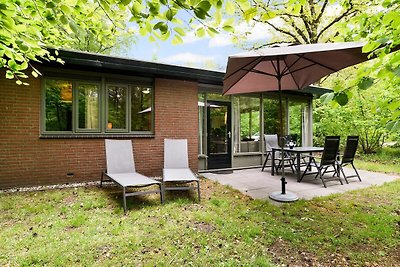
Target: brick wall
x=27, y=160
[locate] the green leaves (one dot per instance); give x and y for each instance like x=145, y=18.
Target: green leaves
x=28, y=27
x=162, y=26
x=365, y=83
x=341, y=98
x=393, y=126
x=371, y=46
x=327, y=97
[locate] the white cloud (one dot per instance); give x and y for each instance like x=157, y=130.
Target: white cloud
x=333, y=10
x=190, y=38
x=188, y=57
x=221, y=40
x=257, y=31
x=251, y=32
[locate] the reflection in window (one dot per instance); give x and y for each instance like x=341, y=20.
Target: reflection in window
x=117, y=99
x=247, y=124
x=271, y=116
x=58, y=115
x=218, y=129
x=88, y=110
x=218, y=97
x=141, y=108
x=296, y=110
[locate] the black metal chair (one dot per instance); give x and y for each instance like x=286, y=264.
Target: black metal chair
x=328, y=159
x=271, y=140
x=348, y=157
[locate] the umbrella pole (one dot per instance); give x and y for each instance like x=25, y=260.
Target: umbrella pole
x=282, y=196
x=282, y=143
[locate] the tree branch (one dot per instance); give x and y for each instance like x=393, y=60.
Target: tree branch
x=306, y=21
x=318, y=19
x=350, y=11
x=297, y=29
x=281, y=30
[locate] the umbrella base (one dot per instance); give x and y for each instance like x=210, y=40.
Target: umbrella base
x=287, y=197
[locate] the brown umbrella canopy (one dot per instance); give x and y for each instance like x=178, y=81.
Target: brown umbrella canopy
x=288, y=68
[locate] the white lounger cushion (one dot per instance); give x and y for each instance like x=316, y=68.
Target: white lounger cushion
x=173, y=175
x=132, y=179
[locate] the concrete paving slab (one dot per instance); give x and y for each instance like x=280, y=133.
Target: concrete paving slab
x=259, y=185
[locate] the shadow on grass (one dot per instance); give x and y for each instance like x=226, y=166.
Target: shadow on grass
x=139, y=202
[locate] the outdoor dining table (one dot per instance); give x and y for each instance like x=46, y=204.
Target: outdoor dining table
x=298, y=151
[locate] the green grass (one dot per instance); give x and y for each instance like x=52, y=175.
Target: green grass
x=86, y=226
x=385, y=160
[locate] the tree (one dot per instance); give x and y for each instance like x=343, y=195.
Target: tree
x=30, y=27
x=301, y=22
x=382, y=31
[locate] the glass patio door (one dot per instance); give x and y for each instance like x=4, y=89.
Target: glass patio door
x=219, y=134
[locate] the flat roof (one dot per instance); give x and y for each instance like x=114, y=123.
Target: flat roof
x=87, y=61
x=97, y=62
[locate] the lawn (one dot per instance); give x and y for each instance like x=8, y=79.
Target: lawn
x=86, y=226
x=386, y=159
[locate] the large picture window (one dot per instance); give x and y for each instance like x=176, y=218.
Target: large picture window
x=141, y=108
x=247, y=124
x=58, y=115
x=116, y=107
x=80, y=107
x=88, y=106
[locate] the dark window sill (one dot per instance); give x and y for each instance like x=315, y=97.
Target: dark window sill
x=92, y=136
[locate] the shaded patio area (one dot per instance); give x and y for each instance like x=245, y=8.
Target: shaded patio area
x=259, y=185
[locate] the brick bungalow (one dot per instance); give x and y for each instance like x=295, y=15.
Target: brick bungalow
x=53, y=130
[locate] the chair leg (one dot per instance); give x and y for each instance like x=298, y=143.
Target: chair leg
x=265, y=162
x=359, y=178
x=336, y=167
x=291, y=162
x=320, y=175
x=161, y=193
x=163, y=189
x=305, y=171
x=344, y=175
x=124, y=198
x=198, y=189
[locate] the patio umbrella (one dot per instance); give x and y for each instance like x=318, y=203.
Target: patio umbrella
x=287, y=68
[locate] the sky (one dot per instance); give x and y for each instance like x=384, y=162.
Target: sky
x=195, y=52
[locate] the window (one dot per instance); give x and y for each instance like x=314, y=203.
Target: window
x=58, y=113
x=88, y=107
x=141, y=108
x=272, y=116
x=296, y=122
x=81, y=107
x=247, y=124
x=296, y=115
x=116, y=107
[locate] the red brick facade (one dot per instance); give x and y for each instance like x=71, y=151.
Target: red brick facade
x=27, y=160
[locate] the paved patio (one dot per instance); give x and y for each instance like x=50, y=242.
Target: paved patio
x=259, y=185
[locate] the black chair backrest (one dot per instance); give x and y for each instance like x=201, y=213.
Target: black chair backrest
x=350, y=150
x=331, y=148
